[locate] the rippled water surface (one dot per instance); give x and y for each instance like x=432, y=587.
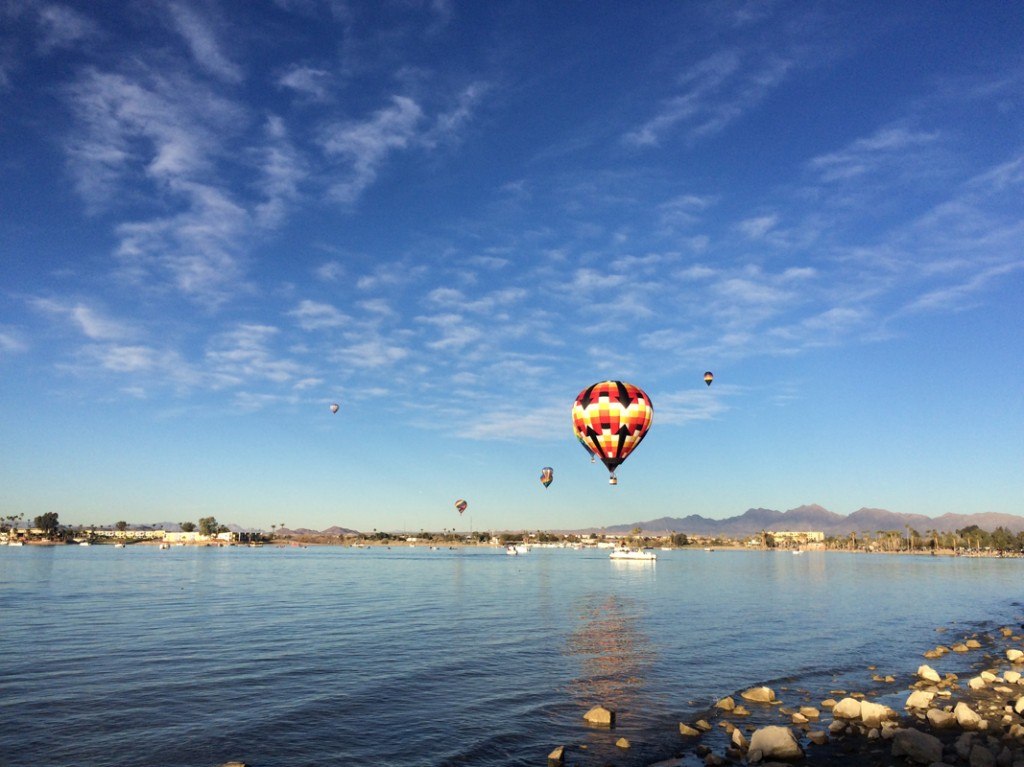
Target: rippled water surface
x=191, y=657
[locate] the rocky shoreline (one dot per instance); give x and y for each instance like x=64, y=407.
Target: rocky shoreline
x=973, y=716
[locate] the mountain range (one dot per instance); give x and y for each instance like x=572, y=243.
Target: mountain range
x=753, y=521
x=815, y=517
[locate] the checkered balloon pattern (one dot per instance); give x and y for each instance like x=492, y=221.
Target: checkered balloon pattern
x=611, y=418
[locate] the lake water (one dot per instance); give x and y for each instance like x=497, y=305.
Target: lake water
x=286, y=657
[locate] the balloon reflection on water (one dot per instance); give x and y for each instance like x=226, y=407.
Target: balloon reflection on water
x=614, y=655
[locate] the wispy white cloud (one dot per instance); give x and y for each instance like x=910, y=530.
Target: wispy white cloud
x=365, y=145
x=89, y=321
x=378, y=306
x=541, y=421
x=954, y=297
x=455, y=332
x=312, y=315
x=676, y=408
x=370, y=352
x=330, y=271
x=308, y=81
x=11, y=342
x=714, y=92
x=865, y=155
x=198, y=33
x=448, y=125
x=757, y=227
x=282, y=169
x=64, y=27
x=127, y=359
x=684, y=210
x=198, y=251
x=244, y=354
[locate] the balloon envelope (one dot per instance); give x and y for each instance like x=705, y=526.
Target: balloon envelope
x=709, y=377
x=461, y=505
x=334, y=408
x=612, y=418
x=547, y=476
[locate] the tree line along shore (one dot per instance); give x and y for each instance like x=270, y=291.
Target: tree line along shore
x=969, y=541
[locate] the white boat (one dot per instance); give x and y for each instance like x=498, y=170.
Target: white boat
x=624, y=553
x=15, y=543
x=118, y=545
x=514, y=550
x=84, y=543
x=165, y=545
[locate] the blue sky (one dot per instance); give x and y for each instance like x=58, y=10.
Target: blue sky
x=217, y=218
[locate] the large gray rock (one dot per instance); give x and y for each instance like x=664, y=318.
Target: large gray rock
x=759, y=695
x=776, y=742
x=981, y=757
x=917, y=746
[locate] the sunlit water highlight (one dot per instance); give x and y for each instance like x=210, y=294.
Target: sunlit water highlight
x=284, y=657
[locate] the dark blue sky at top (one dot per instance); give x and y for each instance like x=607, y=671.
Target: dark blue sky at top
x=451, y=217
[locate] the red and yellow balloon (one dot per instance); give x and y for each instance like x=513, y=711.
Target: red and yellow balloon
x=611, y=418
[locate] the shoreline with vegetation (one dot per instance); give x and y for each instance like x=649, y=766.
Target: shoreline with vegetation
x=969, y=541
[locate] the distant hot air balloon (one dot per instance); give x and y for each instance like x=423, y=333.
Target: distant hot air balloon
x=583, y=442
x=709, y=377
x=334, y=408
x=612, y=418
x=461, y=505
x=547, y=476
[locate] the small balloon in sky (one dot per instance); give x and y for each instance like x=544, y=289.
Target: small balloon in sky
x=334, y=407
x=547, y=476
x=709, y=377
x=461, y=505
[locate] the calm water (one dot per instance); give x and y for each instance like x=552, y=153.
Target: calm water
x=329, y=656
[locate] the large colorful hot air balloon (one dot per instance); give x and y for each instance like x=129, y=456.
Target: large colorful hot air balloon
x=547, y=476
x=612, y=417
x=461, y=505
x=334, y=408
x=709, y=377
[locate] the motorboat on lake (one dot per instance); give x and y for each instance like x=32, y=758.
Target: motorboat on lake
x=625, y=553
x=514, y=550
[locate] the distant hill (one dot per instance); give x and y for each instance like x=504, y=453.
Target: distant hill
x=815, y=517
x=335, y=530
x=284, y=532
